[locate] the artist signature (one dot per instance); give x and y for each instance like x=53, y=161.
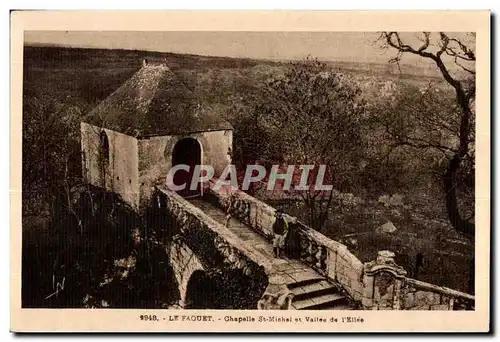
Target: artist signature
x=57, y=287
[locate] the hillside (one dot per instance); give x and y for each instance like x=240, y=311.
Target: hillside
x=86, y=76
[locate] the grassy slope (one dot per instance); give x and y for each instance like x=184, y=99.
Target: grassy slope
x=84, y=77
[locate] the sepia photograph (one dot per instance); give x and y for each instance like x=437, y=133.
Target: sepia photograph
x=317, y=171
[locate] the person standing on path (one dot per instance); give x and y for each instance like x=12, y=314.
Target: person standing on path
x=280, y=231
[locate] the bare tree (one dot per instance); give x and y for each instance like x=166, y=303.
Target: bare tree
x=455, y=59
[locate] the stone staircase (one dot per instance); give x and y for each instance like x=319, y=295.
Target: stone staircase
x=318, y=294
x=311, y=289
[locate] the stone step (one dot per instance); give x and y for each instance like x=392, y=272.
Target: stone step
x=314, y=289
x=315, y=303
x=295, y=280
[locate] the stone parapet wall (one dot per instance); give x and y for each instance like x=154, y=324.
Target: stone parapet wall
x=419, y=295
x=332, y=259
x=377, y=285
x=222, y=239
x=386, y=287
x=257, y=214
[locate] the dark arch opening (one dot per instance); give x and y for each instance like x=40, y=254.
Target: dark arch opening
x=187, y=151
x=104, y=146
x=103, y=155
x=200, y=291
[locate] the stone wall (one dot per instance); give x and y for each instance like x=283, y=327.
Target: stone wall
x=343, y=267
x=215, y=148
x=184, y=263
x=418, y=295
x=155, y=157
x=250, y=210
x=153, y=164
x=121, y=170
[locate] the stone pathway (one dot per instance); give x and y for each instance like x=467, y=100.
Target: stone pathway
x=311, y=290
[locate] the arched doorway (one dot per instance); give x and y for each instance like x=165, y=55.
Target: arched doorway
x=187, y=151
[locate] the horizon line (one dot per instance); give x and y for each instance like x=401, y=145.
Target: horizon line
x=71, y=46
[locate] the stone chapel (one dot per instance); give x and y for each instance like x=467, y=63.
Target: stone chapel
x=149, y=124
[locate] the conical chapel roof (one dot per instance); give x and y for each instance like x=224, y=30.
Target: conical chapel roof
x=154, y=102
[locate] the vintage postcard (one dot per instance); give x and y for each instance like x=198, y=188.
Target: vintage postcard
x=250, y=171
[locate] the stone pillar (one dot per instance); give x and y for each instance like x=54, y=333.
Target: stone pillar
x=382, y=281
x=277, y=296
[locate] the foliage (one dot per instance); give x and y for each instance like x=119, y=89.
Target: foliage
x=104, y=263
x=314, y=116
x=51, y=164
